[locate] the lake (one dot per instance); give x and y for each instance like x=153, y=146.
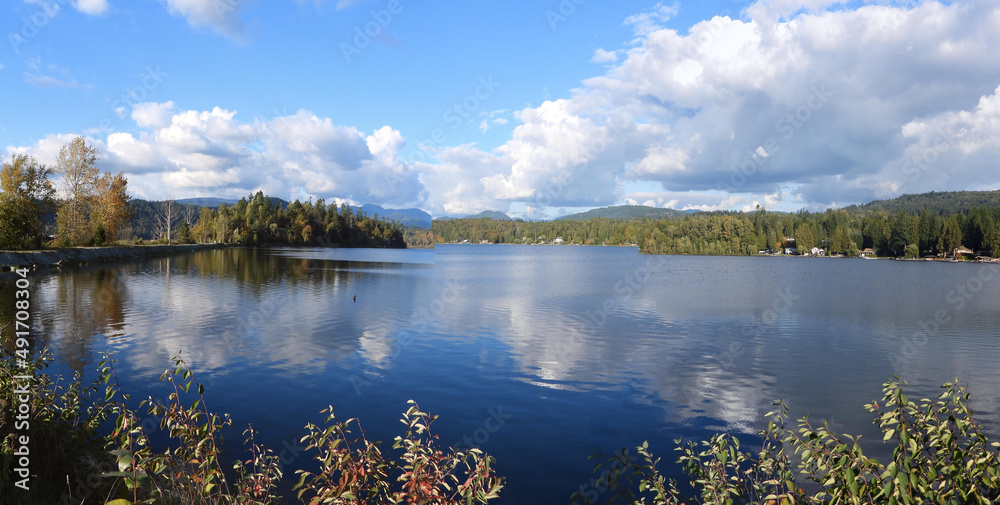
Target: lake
x=539, y=355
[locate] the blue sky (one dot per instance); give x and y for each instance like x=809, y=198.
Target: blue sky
x=532, y=108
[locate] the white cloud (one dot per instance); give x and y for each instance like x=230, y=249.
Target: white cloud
x=776, y=108
x=647, y=22
x=602, y=56
x=152, y=115
x=222, y=16
x=91, y=7
x=48, y=81
x=212, y=153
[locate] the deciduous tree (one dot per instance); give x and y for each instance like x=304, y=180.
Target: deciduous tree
x=26, y=198
x=168, y=216
x=110, y=207
x=77, y=164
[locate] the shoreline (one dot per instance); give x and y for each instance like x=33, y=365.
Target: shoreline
x=797, y=256
x=82, y=256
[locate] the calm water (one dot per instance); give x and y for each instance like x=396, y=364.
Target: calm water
x=574, y=349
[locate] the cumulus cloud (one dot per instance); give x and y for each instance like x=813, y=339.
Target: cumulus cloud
x=603, y=56
x=222, y=16
x=152, y=115
x=773, y=109
x=213, y=153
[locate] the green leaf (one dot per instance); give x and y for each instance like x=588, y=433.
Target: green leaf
x=120, y=501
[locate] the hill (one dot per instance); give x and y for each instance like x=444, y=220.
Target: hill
x=940, y=203
x=622, y=212
x=489, y=214
x=211, y=203
x=405, y=217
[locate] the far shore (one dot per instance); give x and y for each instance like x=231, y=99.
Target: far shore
x=824, y=256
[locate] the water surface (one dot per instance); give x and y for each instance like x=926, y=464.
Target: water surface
x=540, y=355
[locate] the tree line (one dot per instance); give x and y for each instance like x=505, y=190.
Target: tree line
x=896, y=234
x=262, y=220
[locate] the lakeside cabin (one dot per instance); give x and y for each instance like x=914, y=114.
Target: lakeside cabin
x=867, y=252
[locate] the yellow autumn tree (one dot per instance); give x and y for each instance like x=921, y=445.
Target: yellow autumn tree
x=26, y=196
x=110, y=208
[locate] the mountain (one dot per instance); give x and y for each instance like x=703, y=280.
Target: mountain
x=935, y=202
x=626, y=212
x=207, y=202
x=214, y=203
x=405, y=217
x=490, y=214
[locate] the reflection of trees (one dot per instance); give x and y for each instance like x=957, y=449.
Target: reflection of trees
x=70, y=309
x=109, y=294
x=288, y=309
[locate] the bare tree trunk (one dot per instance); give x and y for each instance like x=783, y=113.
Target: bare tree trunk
x=167, y=217
x=189, y=215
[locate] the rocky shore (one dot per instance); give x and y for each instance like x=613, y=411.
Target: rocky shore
x=77, y=256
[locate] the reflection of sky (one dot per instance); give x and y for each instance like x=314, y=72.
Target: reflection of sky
x=721, y=338
x=586, y=347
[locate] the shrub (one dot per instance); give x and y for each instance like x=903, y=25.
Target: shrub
x=941, y=456
x=424, y=473
x=64, y=420
x=349, y=471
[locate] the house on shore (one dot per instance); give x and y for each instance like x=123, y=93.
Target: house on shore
x=867, y=252
x=961, y=252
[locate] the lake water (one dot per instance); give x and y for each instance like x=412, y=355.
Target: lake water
x=539, y=355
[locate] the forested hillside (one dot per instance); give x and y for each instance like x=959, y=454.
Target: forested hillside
x=941, y=203
x=841, y=231
x=626, y=212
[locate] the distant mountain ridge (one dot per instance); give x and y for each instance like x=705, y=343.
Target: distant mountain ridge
x=486, y=214
x=490, y=214
x=937, y=202
x=622, y=212
x=211, y=203
x=405, y=217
